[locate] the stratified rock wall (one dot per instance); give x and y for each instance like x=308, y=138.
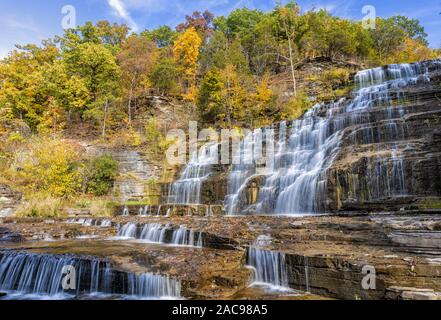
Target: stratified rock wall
x=392, y=162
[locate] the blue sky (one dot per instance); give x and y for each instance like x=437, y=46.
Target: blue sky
x=30, y=21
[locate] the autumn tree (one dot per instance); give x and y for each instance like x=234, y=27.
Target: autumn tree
x=201, y=22
x=186, y=54
x=136, y=60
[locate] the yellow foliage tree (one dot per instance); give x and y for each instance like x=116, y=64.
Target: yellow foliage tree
x=186, y=54
x=46, y=166
x=410, y=51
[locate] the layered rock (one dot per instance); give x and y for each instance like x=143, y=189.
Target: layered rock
x=9, y=199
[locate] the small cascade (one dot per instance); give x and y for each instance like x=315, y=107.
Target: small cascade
x=386, y=177
x=145, y=211
x=153, y=232
x=186, y=237
x=269, y=267
x=42, y=276
x=164, y=234
x=295, y=182
x=244, y=167
x=187, y=190
x=128, y=231
x=104, y=223
x=126, y=212
x=307, y=275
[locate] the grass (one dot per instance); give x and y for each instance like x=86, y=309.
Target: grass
x=430, y=203
x=40, y=206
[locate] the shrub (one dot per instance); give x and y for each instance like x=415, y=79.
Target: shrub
x=101, y=173
x=296, y=106
x=49, y=166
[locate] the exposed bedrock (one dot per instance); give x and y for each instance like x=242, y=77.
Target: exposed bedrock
x=383, y=166
x=9, y=199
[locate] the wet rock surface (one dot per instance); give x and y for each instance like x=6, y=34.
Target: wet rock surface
x=325, y=255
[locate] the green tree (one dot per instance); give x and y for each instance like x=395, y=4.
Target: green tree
x=101, y=173
x=411, y=27
x=210, y=101
x=163, y=76
x=97, y=67
x=163, y=36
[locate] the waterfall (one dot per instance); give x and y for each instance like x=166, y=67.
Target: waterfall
x=126, y=211
x=153, y=232
x=157, y=233
x=186, y=237
x=42, y=275
x=187, y=190
x=244, y=166
x=306, y=148
x=269, y=267
x=105, y=223
x=129, y=230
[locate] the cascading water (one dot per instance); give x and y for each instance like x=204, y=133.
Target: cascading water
x=187, y=190
x=269, y=267
x=39, y=275
x=157, y=233
x=186, y=237
x=306, y=148
x=104, y=223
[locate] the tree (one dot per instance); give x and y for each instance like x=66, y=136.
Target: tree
x=220, y=51
x=112, y=36
x=201, y=22
x=239, y=23
x=136, y=59
x=411, y=27
x=96, y=65
x=210, y=100
x=288, y=16
x=163, y=36
x=186, y=54
x=22, y=82
x=100, y=176
x=163, y=76
x=386, y=38
x=411, y=51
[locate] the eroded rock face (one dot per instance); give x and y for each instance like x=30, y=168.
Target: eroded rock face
x=9, y=199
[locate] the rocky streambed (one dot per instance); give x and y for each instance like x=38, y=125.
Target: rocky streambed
x=378, y=256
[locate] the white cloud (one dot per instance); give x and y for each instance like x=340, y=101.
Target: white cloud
x=120, y=10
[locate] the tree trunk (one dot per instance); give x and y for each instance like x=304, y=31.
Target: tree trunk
x=105, y=118
x=129, y=111
x=291, y=59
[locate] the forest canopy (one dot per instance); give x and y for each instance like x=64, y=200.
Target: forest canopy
x=221, y=66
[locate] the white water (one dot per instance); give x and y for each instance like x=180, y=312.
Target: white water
x=24, y=275
x=305, y=148
x=269, y=267
x=187, y=190
x=156, y=233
